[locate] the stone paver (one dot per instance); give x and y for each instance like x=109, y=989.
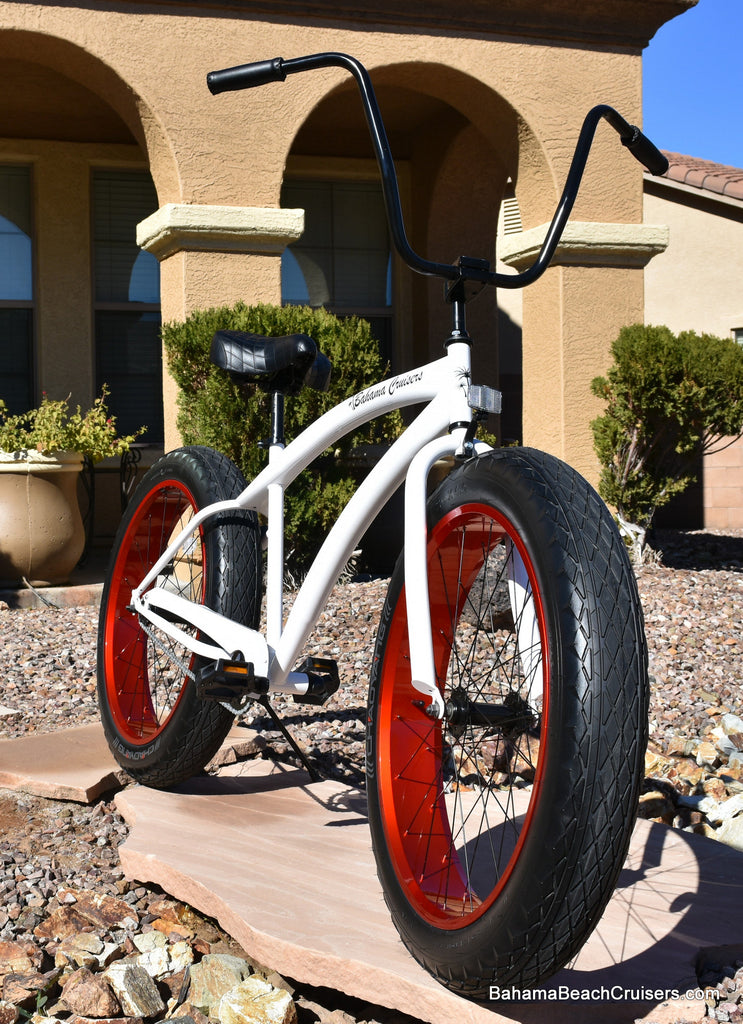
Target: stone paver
x=76, y=764
x=73, y=764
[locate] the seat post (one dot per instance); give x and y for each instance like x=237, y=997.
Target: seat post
x=275, y=532
x=277, y=419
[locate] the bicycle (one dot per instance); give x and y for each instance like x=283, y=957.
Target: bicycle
x=508, y=693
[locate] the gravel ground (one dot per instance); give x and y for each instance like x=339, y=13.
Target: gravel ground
x=692, y=600
x=693, y=606
x=693, y=603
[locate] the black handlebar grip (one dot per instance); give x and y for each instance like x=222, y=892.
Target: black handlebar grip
x=246, y=76
x=645, y=151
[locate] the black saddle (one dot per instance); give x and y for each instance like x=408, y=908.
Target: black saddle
x=285, y=365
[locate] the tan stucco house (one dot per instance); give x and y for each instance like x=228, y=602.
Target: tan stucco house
x=697, y=284
x=106, y=122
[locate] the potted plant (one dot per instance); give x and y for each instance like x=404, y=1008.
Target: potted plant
x=41, y=455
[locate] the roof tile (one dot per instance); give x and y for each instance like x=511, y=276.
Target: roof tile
x=705, y=174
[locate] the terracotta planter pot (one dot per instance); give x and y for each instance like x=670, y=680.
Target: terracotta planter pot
x=41, y=530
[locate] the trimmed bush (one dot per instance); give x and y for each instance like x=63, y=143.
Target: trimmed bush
x=669, y=399
x=216, y=412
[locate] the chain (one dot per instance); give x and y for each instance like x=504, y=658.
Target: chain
x=167, y=651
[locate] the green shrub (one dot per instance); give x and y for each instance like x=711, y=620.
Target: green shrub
x=216, y=412
x=52, y=427
x=669, y=398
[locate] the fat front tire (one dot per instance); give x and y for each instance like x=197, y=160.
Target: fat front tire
x=500, y=831
x=157, y=727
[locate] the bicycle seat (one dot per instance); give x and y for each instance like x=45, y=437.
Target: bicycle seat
x=284, y=364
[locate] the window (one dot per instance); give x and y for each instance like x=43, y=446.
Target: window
x=16, y=289
x=342, y=261
x=127, y=302
x=738, y=334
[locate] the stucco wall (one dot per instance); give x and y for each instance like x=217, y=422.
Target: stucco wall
x=522, y=100
x=697, y=284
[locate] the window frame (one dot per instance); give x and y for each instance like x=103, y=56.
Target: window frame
x=28, y=304
x=120, y=306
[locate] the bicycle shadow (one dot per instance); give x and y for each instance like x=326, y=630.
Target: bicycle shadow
x=677, y=895
x=346, y=803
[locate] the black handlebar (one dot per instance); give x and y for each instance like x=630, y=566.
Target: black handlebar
x=646, y=152
x=247, y=76
x=639, y=145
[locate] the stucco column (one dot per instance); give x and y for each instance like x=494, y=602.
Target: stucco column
x=570, y=319
x=214, y=256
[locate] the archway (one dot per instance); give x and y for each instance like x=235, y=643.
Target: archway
x=56, y=90
x=457, y=145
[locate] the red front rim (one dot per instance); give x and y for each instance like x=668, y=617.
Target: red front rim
x=143, y=683
x=454, y=824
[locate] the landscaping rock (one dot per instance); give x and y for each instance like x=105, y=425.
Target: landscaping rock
x=9, y=1013
x=255, y=1001
x=213, y=977
x=89, y=995
x=135, y=990
x=14, y=959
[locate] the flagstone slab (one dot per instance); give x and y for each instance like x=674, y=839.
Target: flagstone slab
x=72, y=764
x=76, y=764
x=285, y=866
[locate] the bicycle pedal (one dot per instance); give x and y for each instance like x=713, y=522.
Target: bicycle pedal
x=229, y=680
x=323, y=680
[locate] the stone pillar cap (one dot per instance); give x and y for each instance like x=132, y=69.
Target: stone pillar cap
x=242, y=229
x=588, y=242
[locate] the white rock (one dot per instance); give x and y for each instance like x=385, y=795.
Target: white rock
x=731, y=832
x=155, y=961
x=731, y=807
x=698, y=802
x=716, y=811
x=723, y=743
x=180, y=955
x=731, y=724
x=255, y=1001
x=147, y=941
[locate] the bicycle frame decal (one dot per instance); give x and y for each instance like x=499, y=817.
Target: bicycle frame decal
x=386, y=388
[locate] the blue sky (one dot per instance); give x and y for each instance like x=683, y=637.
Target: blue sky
x=693, y=87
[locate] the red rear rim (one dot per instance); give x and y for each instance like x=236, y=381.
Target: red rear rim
x=145, y=677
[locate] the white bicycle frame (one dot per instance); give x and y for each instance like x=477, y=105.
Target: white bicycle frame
x=437, y=431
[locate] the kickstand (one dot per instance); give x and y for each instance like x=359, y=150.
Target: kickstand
x=314, y=776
